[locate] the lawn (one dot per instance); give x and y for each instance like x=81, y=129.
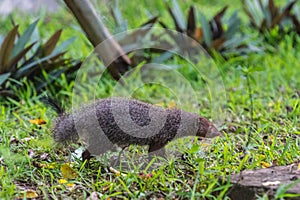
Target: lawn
x=259, y=116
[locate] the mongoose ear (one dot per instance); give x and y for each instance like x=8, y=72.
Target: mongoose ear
x=53, y=104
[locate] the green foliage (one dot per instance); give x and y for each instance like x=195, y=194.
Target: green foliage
x=216, y=34
x=22, y=59
x=270, y=20
x=132, y=39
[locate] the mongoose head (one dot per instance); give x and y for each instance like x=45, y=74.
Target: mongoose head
x=207, y=129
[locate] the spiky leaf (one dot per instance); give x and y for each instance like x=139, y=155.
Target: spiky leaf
x=24, y=39
x=25, y=70
x=285, y=13
x=117, y=15
x=234, y=23
x=64, y=45
x=216, y=24
x=191, y=22
x=6, y=49
x=13, y=62
x=51, y=43
x=4, y=77
x=177, y=16
x=206, y=30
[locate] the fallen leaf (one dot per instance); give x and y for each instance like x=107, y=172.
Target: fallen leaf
x=67, y=171
x=262, y=156
x=298, y=166
x=37, y=121
x=172, y=104
x=161, y=104
x=116, y=172
x=275, y=162
x=30, y=194
x=106, y=188
x=205, y=144
x=62, y=181
x=265, y=164
x=71, y=186
x=48, y=165
x=271, y=138
x=145, y=176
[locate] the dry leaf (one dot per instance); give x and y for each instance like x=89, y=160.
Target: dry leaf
x=37, y=121
x=106, y=188
x=71, y=186
x=30, y=194
x=116, y=172
x=145, y=176
x=62, y=181
x=67, y=171
x=161, y=104
x=265, y=164
x=205, y=144
x=48, y=166
x=275, y=162
x=172, y=104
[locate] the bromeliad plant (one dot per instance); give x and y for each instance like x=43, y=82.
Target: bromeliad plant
x=271, y=20
x=214, y=35
x=133, y=39
x=22, y=59
x=295, y=18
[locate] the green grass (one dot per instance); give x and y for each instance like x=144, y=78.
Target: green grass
x=30, y=160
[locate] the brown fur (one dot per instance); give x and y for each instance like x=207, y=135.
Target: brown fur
x=177, y=123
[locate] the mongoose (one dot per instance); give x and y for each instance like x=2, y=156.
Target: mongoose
x=125, y=121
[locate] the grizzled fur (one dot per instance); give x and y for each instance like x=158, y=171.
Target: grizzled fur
x=100, y=118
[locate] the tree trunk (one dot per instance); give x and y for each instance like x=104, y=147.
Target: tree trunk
x=111, y=54
x=249, y=183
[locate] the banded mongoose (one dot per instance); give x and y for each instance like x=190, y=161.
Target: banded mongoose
x=125, y=121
